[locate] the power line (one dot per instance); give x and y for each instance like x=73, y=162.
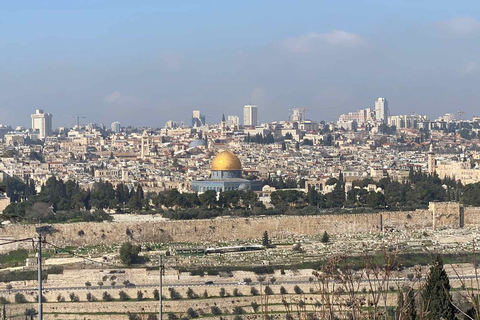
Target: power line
x=9, y=241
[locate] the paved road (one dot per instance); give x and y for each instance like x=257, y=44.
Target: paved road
x=166, y=285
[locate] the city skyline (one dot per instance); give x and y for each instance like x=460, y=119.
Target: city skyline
x=144, y=65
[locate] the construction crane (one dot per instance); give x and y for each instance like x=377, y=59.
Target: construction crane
x=77, y=116
x=460, y=120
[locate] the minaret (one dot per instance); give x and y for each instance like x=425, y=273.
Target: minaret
x=224, y=127
x=431, y=160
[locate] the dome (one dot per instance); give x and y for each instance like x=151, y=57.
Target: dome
x=226, y=160
x=197, y=143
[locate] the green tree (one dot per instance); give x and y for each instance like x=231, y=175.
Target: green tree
x=325, y=237
x=436, y=293
x=129, y=253
x=265, y=240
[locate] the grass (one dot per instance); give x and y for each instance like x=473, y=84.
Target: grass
x=14, y=258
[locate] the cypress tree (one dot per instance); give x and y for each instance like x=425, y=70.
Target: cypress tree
x=436, y=293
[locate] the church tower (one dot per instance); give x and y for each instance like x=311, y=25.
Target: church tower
x=224, y=127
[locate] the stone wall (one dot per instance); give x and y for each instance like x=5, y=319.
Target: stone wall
x=228, y=229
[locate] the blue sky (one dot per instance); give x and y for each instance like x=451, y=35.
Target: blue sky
x=145, y=62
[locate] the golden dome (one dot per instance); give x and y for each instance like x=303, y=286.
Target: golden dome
x=226, y=160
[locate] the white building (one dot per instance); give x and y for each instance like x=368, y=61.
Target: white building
x=381, y=110
x=250, y=115
x=233, y=121
x=42, y=122
x=297, y=115
x=115, y=126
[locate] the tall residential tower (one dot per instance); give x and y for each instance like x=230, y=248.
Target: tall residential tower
x=250, y=115
x=381, y=110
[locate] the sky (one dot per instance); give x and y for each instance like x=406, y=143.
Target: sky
x=146, y=62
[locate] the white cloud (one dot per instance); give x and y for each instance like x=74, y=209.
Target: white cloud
x=470, y=67
x=120, y=99
x=461, y=26
x=310, y=41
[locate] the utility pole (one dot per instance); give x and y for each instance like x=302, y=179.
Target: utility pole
x=160, y=291
x=40, y=306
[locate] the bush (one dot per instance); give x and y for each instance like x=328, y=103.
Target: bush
x=273, y=280
x=254, y=291
x=156, y=294
x=90, y=297
x=216, y=310
x=20, y=298
x=247, y=280
x=205, y=294
x=4, y=300
x=192, y=313
x=60, y=298
x=88, y=284
x=107, y=297
x=268, y=291
x=172, y=316
x=238, y=310
x=100, y=284
x=237, y=293
x=283, y=290
x=113, y=283
x=174, y=294
x=325, y=237
x=255, y=306
x=223, y=293
x=123, y=296
x=129, y=253
x=73, y=297
x=152, y=316
x=30, y=312
x=191, y=294
x=139, y=295
x=297, y=290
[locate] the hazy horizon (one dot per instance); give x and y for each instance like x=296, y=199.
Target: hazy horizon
x=143, y=64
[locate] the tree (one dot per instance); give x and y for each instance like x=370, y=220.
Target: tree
x=129, y=253
x=192, y=313
x=216, y=310
x=409, y=310
x=139, y=295
x=255, y=306
x=265, y=240
x=20, y=298
x=254, y=291
x=156, y=294
x=223, y=293
x=106, y=296
x=325, y=237
x=123, y=296
x=436, y=293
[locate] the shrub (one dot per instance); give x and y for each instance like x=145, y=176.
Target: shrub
x=20, y=298
x=268, y=291
x=255, y=306
x=88, y=284
x=106, y=296
x=237, y=317
x=60, y=298
x=9, y=287
x=410, y=276
x=223, y=293
x=254, y=291
x=237, y=293
x=90, y=297
x=191, y=294
x=238, y=310
x=126, y=283
x=205, y=294
x=152, y=316
x=123, y=296
x=104, y=278
x=139, y=295
x=30, y=312
x=297, y=290
x=174, y=294
x=113, y=283
x=273, y=280
x=156, y=294
x=216, y=310
x=192, y=313
x=100, y=284
x=247, y=280
x=73, y=297
x=325, y=237
x=283, y=290
x=172, y=316
x=4, y=300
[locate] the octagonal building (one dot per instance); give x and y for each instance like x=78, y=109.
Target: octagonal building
x=226, y=175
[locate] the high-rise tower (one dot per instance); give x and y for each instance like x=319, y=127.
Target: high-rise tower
x=42, y=122
x=250, y=115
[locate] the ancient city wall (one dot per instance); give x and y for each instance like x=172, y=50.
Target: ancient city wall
x=227, y=229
